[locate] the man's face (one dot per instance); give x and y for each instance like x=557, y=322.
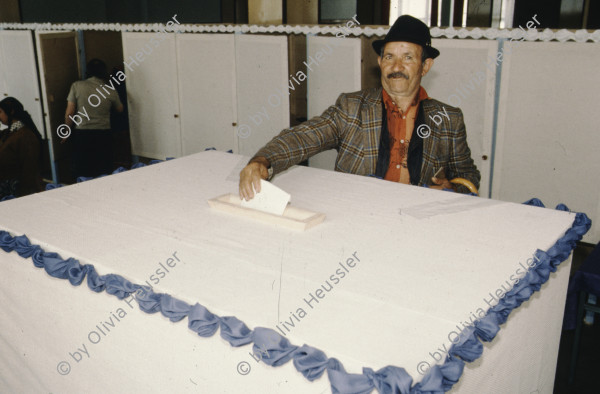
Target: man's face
x=402, y=68
x=3, y=117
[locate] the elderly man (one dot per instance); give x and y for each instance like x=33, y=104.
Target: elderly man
x=395, y=132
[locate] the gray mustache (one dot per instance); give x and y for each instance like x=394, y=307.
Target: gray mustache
x=397, y=74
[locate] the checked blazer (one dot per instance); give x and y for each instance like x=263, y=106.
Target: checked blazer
x=353, y=127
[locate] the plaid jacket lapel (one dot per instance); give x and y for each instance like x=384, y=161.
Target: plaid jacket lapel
x=372, y=118
x=428, y=165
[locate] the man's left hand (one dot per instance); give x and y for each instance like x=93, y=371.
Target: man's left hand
x=441, y=183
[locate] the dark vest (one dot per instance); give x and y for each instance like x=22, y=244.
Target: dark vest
x=415, y=148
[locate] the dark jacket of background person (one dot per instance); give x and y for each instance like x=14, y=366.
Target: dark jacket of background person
x=20, y=150
x=89, y=102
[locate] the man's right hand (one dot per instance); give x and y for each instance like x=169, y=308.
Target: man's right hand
x=251, y=175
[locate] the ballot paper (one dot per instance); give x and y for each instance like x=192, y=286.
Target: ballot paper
x=271, y=199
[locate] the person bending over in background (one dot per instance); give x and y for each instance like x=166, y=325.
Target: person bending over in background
x=20, y=151
x=89, y=103
x=395, y=132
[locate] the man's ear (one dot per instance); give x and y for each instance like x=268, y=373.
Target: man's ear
x=427, y=66
x=379, y=60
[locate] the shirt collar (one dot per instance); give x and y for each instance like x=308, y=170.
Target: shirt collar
x=390, y=105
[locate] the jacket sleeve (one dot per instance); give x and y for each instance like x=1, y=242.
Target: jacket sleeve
x=298, y=143
x=461, y=164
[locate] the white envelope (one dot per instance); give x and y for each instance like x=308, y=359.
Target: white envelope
x=271, y=199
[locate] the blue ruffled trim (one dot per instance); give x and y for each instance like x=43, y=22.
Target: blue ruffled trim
x=276, y=350
x=213, y=148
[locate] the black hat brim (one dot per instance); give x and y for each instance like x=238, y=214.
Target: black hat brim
x=378, y=44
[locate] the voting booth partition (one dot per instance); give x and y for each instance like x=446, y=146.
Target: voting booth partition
x=223, y=91
x=18, y=73
x=19, y=79
x=326, y=79
x=58, y=63
x=547, y=140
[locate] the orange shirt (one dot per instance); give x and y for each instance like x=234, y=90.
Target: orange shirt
x=400, y=126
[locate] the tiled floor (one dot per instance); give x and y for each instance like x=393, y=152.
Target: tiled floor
x=587, y=378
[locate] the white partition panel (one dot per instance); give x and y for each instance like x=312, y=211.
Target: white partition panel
x=58, y=65
x=464, y=76
x=206, y=73
x=151, y=69
x=334, y=68
x=18, y=74
x=263, y=85
x=548, y=140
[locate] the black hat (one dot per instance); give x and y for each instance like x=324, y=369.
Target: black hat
x=409, y=29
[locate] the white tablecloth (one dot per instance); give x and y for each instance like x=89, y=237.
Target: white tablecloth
x=425, y=261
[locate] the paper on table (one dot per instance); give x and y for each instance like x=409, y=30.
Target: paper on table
x=271, y=199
